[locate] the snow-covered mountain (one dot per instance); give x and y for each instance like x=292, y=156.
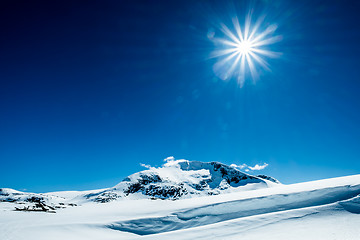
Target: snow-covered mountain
x=174, y=180
x=183, y=179
x=213, y=201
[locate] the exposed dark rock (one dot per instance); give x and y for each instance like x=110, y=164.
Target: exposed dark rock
x=165, y=192
x=268, y=178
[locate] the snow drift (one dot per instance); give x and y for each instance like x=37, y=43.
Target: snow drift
x=250, y=206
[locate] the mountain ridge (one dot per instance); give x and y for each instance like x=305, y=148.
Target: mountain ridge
x=174, y=180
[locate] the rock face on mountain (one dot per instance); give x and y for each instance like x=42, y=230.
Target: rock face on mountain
x=268, y=178
x=33, y=201
x=183, y=179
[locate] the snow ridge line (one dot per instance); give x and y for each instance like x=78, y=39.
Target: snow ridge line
x=224, y=211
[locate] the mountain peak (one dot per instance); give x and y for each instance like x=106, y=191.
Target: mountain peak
x=183, y=179
x=175, y=179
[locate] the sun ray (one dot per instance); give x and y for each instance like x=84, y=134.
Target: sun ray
x=227, y=42
x=251, y=66
x=219, y=53
x=247, y=27
x=259, y=60
x=266, y=53
x=238, y=28
x=235, y=63
x=227, y=59
x=269, y=30
x=256, y=26
x=267, y=41
x=227, y=32
x=241, y=76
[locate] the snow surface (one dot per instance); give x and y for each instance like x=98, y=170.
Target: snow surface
x=326, y=209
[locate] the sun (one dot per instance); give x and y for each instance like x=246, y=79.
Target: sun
x=244, y=48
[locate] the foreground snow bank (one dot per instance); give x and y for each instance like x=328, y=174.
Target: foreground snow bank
x=250, y=204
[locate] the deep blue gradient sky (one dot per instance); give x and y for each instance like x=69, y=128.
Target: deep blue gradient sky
x=90, y=90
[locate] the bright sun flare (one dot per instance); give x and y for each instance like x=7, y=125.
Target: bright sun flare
x=244, y=47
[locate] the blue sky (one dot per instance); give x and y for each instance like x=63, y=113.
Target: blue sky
x=91, y=90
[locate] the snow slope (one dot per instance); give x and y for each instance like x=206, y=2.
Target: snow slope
x=220, y=212
x=325, y=209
